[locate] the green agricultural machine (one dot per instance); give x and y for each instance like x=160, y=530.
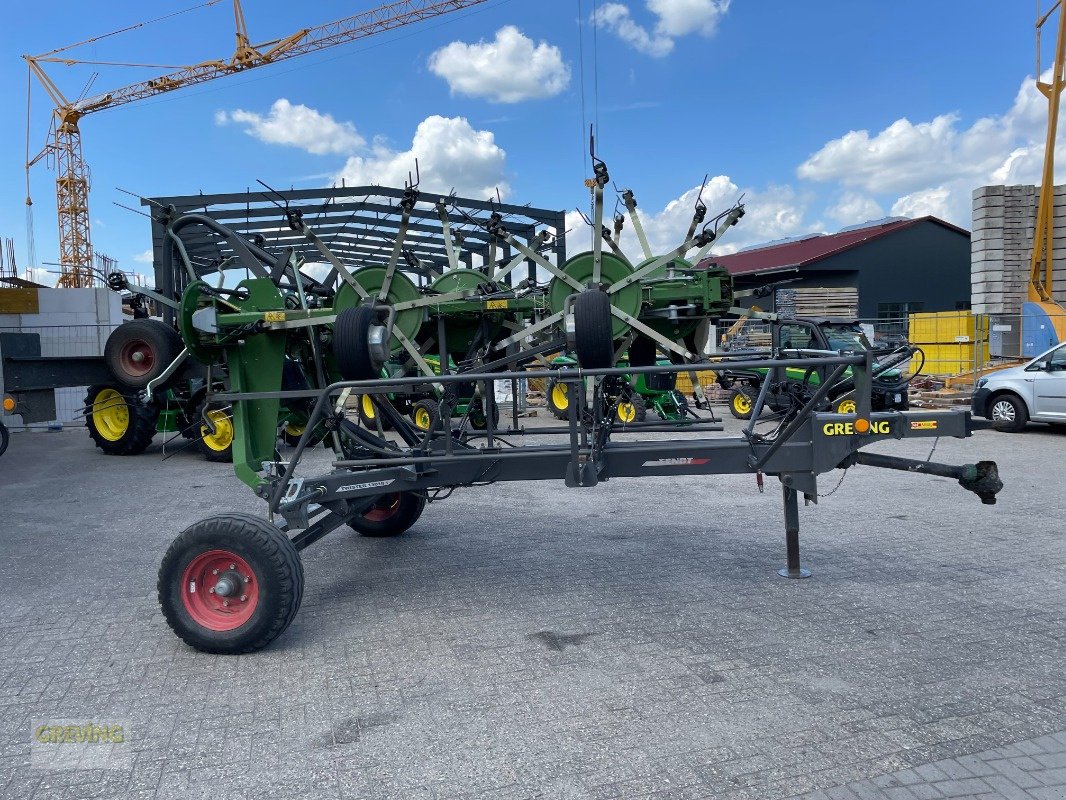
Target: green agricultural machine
x=890, y=385
x=419, y=305
x=632, y=397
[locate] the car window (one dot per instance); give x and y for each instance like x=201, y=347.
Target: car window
x=795, y=337
x=1058, y=359
x=841, y=338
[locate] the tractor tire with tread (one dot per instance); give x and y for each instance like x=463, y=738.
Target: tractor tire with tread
x=741, y=403
x=557, y=398
x=630, y=409
x=139, y=351
x=391, y=515
x=845, y=406
x=368, y=414
x=217, y=446
x=593, y=334
x=478, y=419
x=351, y=343
x=291, y=435
x=425, y=414
x=118, y=423
x=278, y=580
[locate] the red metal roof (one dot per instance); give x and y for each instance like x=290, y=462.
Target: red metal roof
x=808, y=251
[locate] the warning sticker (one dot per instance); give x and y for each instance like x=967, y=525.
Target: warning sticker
x=923, y=425
x=675, y=462
x=274, y=316
x=495, y=304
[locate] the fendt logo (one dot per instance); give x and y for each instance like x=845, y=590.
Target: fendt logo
x=879, y=427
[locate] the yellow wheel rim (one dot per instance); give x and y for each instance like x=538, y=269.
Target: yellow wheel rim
x=847, y=407
x=294, y=430
x=627, y=412
x=111, y=415
x=368, y=407
x=741, y=403
x=560, y=397
x=423, y=420
x=223, y=436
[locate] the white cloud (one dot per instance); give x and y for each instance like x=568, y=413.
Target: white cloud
x=509, y=69
x=925, y=202
x=616, y=18
x=681, y=17
x=674, y=19
x=296, y=126
x=39, y=275
x=853, y=208
x=772, y=213
x=450, y=153
x=144, y=257
x=931, y=167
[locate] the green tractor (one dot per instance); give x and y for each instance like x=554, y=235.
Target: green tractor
x=153, y=388
x=630, y=396
x=826, y=334
x=424, y=409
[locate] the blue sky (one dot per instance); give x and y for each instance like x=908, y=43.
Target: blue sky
x=824, y=113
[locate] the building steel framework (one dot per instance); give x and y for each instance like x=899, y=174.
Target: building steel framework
x=359, y=225
x=64, y=141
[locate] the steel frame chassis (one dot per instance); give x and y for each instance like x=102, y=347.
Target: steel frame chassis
x=807, y=444
x=358, y=223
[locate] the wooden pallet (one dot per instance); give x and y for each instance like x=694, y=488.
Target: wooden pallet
x=818, y=302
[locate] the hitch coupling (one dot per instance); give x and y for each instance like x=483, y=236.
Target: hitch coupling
x=981, y=478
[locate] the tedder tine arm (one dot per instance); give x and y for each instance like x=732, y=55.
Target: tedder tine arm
x=653, y=334
x=446, y=234
x=530, y=330
x=631, y=207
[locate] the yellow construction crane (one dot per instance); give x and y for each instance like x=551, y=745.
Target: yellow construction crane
x=1042, y=312
x=64, y=142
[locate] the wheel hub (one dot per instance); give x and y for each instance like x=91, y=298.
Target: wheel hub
x=219, y=590
x=384, y=508
x=110, y=415
x=1003, y=411
x=137, y=357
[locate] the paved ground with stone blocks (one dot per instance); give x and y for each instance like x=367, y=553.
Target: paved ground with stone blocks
x=526, y=640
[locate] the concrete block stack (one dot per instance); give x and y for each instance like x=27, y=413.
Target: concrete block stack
x=1004, y=219
x=69, y=322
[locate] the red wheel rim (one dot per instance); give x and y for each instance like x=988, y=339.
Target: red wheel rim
x=137, y=357
x=385, y=507
x=220, y=591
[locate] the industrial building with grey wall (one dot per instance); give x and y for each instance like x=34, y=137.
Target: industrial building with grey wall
x=898, y=267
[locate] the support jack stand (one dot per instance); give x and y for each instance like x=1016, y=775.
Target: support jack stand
x=792, y=540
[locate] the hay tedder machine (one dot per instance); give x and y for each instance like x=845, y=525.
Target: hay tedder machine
x=358, y=312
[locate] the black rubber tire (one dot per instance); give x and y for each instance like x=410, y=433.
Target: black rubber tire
x=140, y=427
x=642, y=353
x=209, y=453
x=156, y=338
x=293, y=439
x=737, y=390
x=351, y=343
x=4, y=438
x=638, y=403
x=477, y=417
x=593, y=334
x=369, y=422
x=405, y=508
x=1021, y=413
x=556, y=410
x=277, y=568
x=847, y=405
x=432, y=408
